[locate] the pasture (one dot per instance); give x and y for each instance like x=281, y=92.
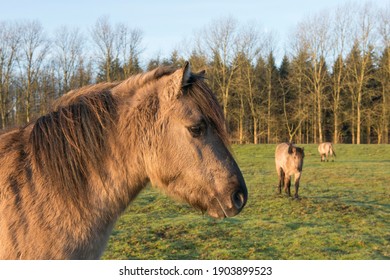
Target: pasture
x=343, y=213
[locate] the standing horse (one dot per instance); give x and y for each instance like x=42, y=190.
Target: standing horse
x=67, y=177
x=326, y=149
x=289, y=162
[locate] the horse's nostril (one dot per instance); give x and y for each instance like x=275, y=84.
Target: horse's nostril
x=238, y=199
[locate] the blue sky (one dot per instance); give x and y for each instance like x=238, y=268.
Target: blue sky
x=166, y=23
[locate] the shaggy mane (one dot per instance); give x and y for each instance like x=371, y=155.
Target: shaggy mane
x=67, y=141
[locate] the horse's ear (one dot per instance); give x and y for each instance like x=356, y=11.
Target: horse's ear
x=290, y=148
x=201, y=74
x=186, y=73
x=177, y=80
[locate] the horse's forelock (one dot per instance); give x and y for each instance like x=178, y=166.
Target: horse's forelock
x=163, y=71
x=207, y=102
x=300, y=151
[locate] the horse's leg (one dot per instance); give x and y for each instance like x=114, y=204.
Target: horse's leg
x=287, y=184
x=281, y=179
x=296, y=184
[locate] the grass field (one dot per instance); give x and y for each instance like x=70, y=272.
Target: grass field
x=343, y=213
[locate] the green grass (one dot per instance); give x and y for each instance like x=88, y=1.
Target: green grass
x=343, y=213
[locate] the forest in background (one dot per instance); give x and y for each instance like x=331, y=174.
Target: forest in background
x=331, y=84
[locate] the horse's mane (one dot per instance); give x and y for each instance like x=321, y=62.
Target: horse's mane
x=71, y=139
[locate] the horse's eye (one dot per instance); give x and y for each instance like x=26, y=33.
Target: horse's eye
x=198, y=130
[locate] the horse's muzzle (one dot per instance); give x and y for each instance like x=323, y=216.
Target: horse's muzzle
x=239, y=200
x=232, y=197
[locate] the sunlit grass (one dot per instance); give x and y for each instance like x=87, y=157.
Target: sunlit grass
x=343, y=213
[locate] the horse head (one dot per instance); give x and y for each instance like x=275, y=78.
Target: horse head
x=189, y=156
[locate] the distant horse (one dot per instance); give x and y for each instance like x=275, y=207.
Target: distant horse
x=67, y=177
x=326, y=149
x=289, y=162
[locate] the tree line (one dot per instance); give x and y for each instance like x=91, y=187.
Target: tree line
x=332, y=83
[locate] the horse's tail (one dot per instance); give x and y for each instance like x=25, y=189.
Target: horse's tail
x=332, y=151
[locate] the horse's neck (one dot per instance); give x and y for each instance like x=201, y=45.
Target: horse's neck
x=125, y=168
x=109, y=197
x=126, y=175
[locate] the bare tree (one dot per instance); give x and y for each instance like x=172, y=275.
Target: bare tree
x=250, y=41
x=298, y=118
x=359, y=69
x=34, y=48
x=129, y=47
x=68, y=46
x=103, y=35
x=341, y=36
x=220, y=40
x=271, y=81
x=315, y=36
x=118, y=47
x=384, y=71
x=9, y=46
x=296, y=93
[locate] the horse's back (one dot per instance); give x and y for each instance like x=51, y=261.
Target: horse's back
x=320, y=148
x=324, y=147
x=281, y=152
x=280, y=148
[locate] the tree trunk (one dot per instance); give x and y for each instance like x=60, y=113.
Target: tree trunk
x=336, y=131
x=269, y=114
x=241, y=124
x=255, y=140
x=319, y=116
x=385, y=117
x=353, y=122
x=358, y=117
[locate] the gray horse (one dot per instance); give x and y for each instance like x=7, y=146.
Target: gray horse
x=289, y=162
x=326, y=150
